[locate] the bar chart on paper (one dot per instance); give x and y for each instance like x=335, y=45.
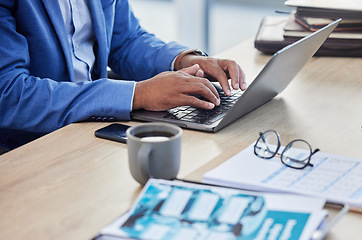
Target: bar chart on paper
x=338, y=179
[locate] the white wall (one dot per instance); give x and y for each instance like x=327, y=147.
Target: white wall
x=231, y=21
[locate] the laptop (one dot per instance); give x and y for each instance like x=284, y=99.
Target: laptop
x=271, y=81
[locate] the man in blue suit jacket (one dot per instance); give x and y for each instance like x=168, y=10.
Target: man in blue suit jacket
x=40, y=92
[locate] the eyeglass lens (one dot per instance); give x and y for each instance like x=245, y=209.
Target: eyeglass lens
x=296, y=154
x=267, y=144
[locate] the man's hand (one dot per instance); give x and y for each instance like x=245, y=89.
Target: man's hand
x=217, y=70
x=172, y=89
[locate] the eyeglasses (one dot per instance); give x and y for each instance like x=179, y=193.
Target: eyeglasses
x=296, y=154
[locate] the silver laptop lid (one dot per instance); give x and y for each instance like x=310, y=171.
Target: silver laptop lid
x=277, y=74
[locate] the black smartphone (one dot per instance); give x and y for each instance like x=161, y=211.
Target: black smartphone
x=114, y=132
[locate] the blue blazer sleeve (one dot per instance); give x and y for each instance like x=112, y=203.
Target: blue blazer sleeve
x=135, y=53
x=36, y=89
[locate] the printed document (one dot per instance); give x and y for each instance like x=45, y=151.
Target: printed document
x=173, y=210
x=337, y=179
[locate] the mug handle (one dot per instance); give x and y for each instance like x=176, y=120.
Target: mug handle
x=143, y=155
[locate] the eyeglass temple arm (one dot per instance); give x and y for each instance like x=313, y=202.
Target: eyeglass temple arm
x=314, y=152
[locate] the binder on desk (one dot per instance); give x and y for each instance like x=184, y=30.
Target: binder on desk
x=346, y=9
x=183, y=210
x=293, y=28
x=315, y=23
x=276, y=32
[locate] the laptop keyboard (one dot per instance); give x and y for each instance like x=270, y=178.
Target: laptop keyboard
x=204, y=116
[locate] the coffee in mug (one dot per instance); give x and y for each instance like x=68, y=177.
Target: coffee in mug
x=154, y=136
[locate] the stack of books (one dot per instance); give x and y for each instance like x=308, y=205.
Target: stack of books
x=309, y=16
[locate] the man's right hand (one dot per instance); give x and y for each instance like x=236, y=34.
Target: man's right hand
x=172, y=89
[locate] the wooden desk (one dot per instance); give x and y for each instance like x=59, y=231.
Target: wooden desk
x=70, y=184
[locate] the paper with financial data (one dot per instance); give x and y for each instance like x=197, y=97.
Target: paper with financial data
x=337, y=179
